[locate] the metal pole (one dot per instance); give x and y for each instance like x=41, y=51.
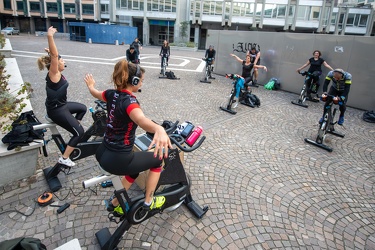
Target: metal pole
x=168, y=32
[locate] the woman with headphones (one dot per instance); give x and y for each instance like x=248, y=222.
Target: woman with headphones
x=115, y=155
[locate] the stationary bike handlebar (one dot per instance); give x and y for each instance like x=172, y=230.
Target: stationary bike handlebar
x=305, y=73
x=178, y=141
x=335, y=99
x=101, y=104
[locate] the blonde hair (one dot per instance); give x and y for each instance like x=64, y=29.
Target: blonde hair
x=44, y=62
x=123, y=73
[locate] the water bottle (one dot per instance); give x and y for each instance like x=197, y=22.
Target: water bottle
x=194, y=136
x=91, y=109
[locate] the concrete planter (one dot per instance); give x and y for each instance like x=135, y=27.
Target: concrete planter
x=17, y=164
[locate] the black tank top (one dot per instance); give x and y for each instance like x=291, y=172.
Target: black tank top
x=56, y=92
x=246, y=69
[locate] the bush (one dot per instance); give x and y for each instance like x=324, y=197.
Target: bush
x=11, y=102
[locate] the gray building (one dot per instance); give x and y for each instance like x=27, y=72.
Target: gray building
x=188, y=20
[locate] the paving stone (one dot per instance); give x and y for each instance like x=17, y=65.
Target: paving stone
x=266, y=188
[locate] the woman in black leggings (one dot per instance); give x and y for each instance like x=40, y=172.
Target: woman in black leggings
x=115, y=154
x=247, y=66
x=58, y=109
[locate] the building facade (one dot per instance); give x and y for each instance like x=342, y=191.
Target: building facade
x=188, y=20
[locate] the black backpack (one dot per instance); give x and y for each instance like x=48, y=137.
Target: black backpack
x=254, y=99
x=369, y=116
x=22, y=244
x=170, y=75
x=22, y=132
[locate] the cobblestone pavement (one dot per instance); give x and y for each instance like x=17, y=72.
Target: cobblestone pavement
x=265, y=187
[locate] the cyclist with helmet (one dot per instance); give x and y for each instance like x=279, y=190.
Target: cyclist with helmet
x=339, y=89
x=315, y=63
x=210, y=55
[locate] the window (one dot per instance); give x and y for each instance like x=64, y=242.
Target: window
x=87, y=9
x=268, y=8
x=249, y=11
x=206, y=8
x=122, y=4
x=35, y=6
x=135, y=5
x=315, y=13
x=308, y=13
x=218, y=8
x=350, y=20
x=69, y=8
x=104, y=8
x=363, y=20
x=7, y=4
x=161, y=5
x=52, y=7
x=333, y=18
x=19, y=5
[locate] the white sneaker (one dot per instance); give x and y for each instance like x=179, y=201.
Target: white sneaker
x=67, y=162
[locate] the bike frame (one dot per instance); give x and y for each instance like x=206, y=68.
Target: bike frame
x=177, y=193
x=303, y=95
x=83, y=149
x=164, y=68
x=327, y=126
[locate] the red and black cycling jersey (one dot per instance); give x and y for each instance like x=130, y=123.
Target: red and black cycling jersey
x=120, y=131
x=56, y=92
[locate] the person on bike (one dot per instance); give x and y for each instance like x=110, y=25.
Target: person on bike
x=115, y=154
x=315, y=68
x=255, y=59
x=240, y=84
x=59, y=110
x=165, y=51
x=137, y=46
x=132, y=55
x=210, y=55
x=341, y=82
x=247, y=66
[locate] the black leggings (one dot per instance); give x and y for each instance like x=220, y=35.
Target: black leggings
x=166, y=56
x=63, y=116
x=126, y=163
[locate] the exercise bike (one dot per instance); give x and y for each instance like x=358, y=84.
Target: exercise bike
x=90, y=141
x=176, y=190
x=245, y=98
x=327, y=125
x=163, y=70
x=313, y=89
x=208, y=71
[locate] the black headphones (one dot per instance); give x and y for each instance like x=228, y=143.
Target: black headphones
x=135, y=78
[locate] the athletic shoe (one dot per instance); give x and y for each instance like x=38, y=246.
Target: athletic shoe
x=116, y=211
x=67, y=162
x=341, y=120
x=157, y=202
x=321, y=120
